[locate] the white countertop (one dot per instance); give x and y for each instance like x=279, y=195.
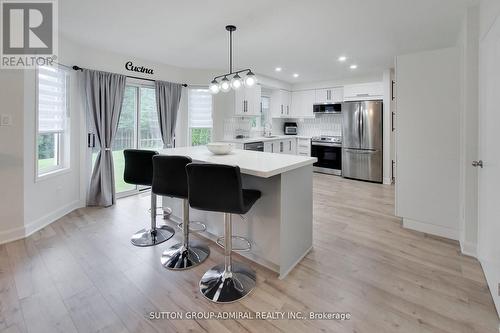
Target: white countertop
x=253, y=163
x=264, y=139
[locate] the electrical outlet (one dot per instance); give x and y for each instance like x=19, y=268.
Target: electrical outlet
x=5, y=120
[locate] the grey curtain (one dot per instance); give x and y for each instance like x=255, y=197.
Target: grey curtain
x=104, y=95
x=168, y=98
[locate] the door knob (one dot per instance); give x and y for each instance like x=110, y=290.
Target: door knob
x=477, y=164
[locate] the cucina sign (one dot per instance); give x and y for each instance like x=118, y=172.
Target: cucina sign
x=140, y=69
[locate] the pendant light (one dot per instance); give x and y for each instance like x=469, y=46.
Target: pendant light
x=236, y=81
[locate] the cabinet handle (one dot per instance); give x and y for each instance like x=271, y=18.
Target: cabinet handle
x=287, y=109
x=281, y=147
x=290, y=142
x=392, y=121
x=281, y=108
x=392, y=89
x=246, y=106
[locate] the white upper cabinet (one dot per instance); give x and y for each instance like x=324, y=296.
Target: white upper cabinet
x=302, y=103
x=281, y=104
x=247, y=101
x=363, y=91
x=329, y=95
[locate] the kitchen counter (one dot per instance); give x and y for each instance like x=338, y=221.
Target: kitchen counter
x=253, y=163
x=279, y=225
x=264, y=139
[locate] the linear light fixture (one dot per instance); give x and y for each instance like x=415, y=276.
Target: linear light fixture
x=232, y=80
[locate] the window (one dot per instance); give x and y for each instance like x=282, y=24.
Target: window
x=200, y=116
x=52, y=120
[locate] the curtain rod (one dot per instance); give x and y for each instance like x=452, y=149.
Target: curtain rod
x=77, y=68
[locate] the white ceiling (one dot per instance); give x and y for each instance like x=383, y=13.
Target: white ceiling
x=301, y=36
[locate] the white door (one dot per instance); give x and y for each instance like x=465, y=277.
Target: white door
x=489, y=153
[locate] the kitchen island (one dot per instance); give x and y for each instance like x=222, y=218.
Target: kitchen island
x=279, y=225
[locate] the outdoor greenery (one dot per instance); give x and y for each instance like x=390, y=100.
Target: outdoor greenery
x=200, y=136
x=46, y=142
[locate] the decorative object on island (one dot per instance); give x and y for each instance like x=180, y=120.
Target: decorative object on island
x=219, y=148
x=236, y=81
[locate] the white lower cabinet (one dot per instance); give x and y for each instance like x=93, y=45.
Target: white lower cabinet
x=270, y=147
x=283, y=146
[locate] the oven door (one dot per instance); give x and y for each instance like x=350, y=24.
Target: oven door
x=329, y=158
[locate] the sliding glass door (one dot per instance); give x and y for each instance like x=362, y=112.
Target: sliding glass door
x=138, y=128
x=125, y=138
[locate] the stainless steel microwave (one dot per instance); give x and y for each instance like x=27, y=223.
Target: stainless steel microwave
x=327, y=108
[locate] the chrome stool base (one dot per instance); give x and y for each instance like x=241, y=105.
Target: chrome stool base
x=178, y=257
x=221, y=286
x=150, y=237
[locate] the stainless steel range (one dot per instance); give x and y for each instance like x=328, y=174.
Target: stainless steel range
x=328, y=151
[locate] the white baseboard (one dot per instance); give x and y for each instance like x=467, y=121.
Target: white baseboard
x=491, y=270
x=11, y=235
x=430, y=229
x=468, y=248
x=40, y=223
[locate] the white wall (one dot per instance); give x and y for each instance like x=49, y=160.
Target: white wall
x=49, y=198
x=468, y=42
x=488, y=224
x=428, y=104
x=11, y=155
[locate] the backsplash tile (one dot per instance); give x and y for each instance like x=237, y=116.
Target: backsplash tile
x=328, y=124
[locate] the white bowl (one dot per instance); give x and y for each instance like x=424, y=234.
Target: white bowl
x=220, y=148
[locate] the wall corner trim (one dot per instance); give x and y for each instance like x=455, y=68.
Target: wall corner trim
x=468, y=248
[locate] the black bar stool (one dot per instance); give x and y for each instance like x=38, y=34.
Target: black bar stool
x=217, y=188
x=170, y=179
x=139, y=171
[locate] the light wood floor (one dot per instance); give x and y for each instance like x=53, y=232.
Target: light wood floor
x=81, y=274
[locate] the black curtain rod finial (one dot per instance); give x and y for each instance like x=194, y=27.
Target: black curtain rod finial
x=76, y=68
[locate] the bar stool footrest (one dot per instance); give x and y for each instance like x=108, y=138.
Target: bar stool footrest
x=245, y=248
x=202, y=226
x=163, y=212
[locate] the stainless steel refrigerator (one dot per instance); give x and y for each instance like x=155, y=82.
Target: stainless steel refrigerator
x=362, y=149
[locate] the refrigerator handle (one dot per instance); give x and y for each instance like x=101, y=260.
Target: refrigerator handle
x=359, y=125
x=361, y=121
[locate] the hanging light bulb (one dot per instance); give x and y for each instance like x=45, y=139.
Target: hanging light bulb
x=225, y=86
x=236, y=82
x=214, y=87
x=250, y=79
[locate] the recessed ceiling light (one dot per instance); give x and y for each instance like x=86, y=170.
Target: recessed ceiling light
x=295, y=75
x=278, y=69
x=342, y=58
x=353, y=66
